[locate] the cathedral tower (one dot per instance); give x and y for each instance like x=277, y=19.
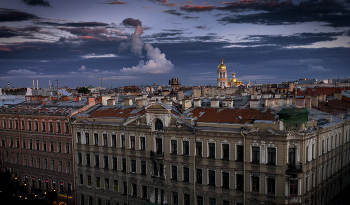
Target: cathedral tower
x=222, y=75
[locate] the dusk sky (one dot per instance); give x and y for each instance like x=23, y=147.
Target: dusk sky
x=151, y=41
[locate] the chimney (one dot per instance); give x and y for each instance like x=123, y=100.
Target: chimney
x=228, y=102
x=90, y=100
x=110, y=102
x=254, y=104
x=76, y=98
x=329, y=119
x=186, y=103
x=139, y=103
x=197, y=102
x=214, y=103
x=64, y=98
x=127, y=102
x=37, y=84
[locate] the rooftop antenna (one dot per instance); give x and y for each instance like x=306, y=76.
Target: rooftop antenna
x=101, y=81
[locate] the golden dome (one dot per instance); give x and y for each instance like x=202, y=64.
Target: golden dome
x=222, y=65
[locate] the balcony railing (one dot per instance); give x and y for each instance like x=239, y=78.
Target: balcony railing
x=295, y=168
x=157, y=154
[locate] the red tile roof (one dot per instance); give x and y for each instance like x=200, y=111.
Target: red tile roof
x=334, y=107
x=230, y=115
x=117, y=112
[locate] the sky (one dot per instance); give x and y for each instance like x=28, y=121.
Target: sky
x=135, y=42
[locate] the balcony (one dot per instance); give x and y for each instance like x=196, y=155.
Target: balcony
x=294, y=169
x=157, y=155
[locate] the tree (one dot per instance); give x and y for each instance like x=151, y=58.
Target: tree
x=84, y=90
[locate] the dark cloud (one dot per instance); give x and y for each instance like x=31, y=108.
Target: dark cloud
x=37, y=3
x=174, y=12
x=164, y=3
x=284, y=12
x=85, y=31
x=15, y=15
x=132, y=22
x=201, y=27
x=117, y=2
x=7, y=32
x=190, y=17
x=79, y=24
x=197, y=8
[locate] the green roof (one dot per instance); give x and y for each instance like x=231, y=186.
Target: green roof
x=294, y=116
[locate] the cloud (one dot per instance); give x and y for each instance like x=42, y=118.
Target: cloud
x=82, y=68
x=197, y=8
x=131, y=22
x=37, y=3
x=201, y=27
x=95, y=70
x=15, y=15
x=44, y=61
x=117, y=2
x=21, y=72
x=7, y=32
x=157, y=63
x=85, y=31
x=135, y=43
x=100, y=56
x=316, y=68
x=173, y=12
x=73, y=24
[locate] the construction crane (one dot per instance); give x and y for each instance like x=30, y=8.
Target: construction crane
x=104, y=79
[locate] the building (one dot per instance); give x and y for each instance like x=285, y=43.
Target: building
x=210, y=155
x=222, y=75
x=36, y=143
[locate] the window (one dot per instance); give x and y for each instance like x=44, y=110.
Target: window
x=29, y=125
x=67, y=128
x=10, y=124
x=255, y=184
x=79, y=137
x=58, y=127
x=155, y=169
x=53, y=165
x=60, y=168
x=133, y=166
x=224, y=202
x=4, y=124
x=174, y=172
x=68, y=167
x=51, y=127
x=211, y=152
x=105, y=140
x=255, y=154
x=307, y=153
x=80, y=160
x=106, y=162
x=82, y=199
x=67, y=148
x=98, y=182
x=271, y=155
x=158, y=125
x=225, y=151
x=30, y=144
x=212, y=201
x=187, y=199
x=97, y=160
x=45, y=163
x=186, y=148
x=16, y=124
x=81, y=179
x=239, y=153
x=125, y=188
x=123, y=141
x=132, y=142
x=88, y=160
x=23, y=127
x=291, y=154
x=225, y=180
x=271, y=183
x=89, y=180
x=186, y=172
x=293, y=187
x=87, y=138
x=114, y=140
x=51, y=146
x=44, y=127
x=96, y=138
x=239, y=182
x=59, y=147
x=44, y=146
x=124, y=165
x=199, y=176
x=199, y=200
x=99, y=201
x=199, y=149
x=143, y=167
x=143, y=143
x=173, y=146
x=36, y=126
x=175, y=198
x=115, y=187
x=115, y=163
x=211, y=177
x=38, y=163
x=37, y=145
x=106, y=184
x=161, y=170
x=144, y=192
x=313, y=151
x=134, y=189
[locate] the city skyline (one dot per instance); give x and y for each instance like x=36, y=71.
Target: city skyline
x=145, y=42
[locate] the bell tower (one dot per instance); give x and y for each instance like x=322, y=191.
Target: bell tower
x=222, y=75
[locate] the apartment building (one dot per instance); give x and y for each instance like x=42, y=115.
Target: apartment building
x=209, y=155
x=36, y=143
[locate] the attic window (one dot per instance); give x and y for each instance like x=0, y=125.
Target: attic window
x=158, y=125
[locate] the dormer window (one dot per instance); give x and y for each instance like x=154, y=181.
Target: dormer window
x=158, y=125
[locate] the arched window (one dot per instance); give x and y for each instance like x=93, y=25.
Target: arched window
x=158, y=125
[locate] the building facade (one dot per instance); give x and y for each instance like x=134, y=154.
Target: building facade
x=208, y=155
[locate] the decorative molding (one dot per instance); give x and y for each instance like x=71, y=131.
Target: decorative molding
x=255, y=129
x=211, y=141
x=198, y=140
x=173, y=138
x=185, y=139
x=239, y=143
x=271, y=131
x=225, y=142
